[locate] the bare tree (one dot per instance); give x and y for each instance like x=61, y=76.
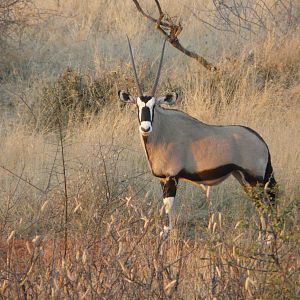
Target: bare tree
x=248, y=18
x=171, y=28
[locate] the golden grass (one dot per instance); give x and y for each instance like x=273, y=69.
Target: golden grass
x=113, y=248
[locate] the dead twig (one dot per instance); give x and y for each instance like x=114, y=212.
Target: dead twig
x=21, y=97
x=23, y=179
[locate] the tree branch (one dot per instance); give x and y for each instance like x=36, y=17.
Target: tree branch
x=171, y=31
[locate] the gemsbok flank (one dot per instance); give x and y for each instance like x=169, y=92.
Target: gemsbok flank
x=178, y=147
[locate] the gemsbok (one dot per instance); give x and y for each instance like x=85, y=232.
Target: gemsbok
x=179, y=146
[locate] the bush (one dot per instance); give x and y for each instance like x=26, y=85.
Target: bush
x=71, y=97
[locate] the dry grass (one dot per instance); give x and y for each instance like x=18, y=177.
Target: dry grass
x=85, y=223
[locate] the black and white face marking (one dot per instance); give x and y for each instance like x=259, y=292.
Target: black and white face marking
x=146, y=106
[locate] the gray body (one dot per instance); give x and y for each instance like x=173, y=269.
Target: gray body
x=181, y=146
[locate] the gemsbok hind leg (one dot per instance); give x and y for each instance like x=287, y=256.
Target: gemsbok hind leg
x=169, y=187
x=265, y=200
x=256, y=193
x=270, y=190
x=266, y=210
x=263, y=197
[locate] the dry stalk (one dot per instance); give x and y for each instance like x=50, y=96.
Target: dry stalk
x=62, y=148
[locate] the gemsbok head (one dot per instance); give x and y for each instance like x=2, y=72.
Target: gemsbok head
x=179, y=147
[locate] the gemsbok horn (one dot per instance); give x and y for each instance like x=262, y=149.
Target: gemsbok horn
x=178, y=146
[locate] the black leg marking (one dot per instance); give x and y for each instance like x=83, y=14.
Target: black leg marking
x=169, y=187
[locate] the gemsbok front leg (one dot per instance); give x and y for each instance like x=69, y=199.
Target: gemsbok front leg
x=169, y=187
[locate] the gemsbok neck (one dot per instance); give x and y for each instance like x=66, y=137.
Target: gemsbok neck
x=169, y=124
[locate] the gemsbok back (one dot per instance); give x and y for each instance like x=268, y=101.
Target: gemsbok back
x=178, y=146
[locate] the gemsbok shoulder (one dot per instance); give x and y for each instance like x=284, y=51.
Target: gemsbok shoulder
x=179, y=147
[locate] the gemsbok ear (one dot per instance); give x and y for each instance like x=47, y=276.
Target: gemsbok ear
x=126, y=97
x=169, y=99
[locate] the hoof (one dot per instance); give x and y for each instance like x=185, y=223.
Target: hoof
x=266, y=238
x=165, y=232
x=270, y=238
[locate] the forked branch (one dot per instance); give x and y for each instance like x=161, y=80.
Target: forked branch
x=171, y=30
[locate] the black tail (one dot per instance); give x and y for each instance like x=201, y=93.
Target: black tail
x=270, y=183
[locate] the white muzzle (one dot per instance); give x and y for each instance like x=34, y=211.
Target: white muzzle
x=145, y=128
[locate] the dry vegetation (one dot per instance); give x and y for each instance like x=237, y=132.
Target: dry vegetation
x=79, y=209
